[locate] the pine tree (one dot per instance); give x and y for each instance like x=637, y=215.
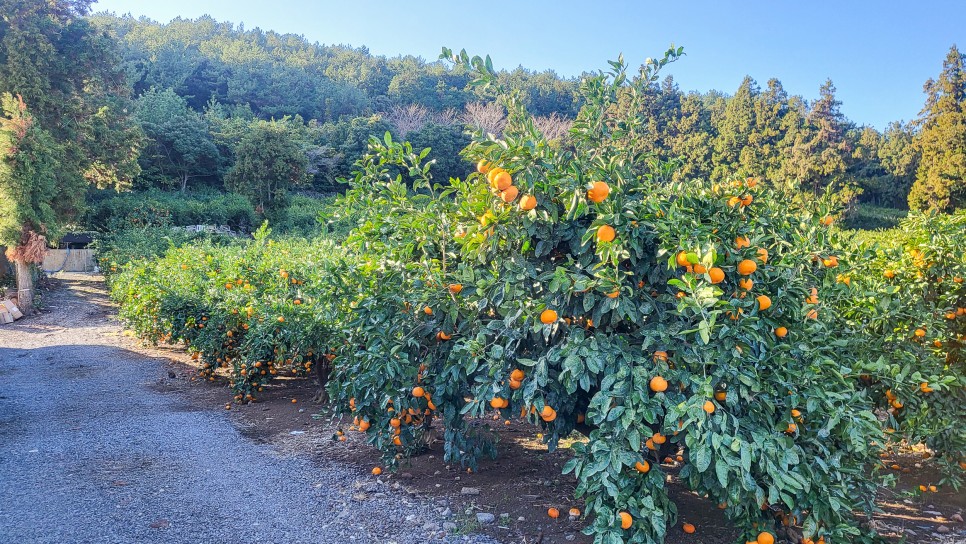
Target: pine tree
x=941, y=178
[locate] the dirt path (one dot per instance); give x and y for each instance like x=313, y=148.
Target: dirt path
x=97, y=445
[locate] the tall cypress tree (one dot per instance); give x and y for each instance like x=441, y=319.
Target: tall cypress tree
x=941, y=178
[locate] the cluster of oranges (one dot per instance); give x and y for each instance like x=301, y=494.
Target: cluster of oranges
x=501, y=183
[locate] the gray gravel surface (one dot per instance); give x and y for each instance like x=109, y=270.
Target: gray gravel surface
x=90, y=451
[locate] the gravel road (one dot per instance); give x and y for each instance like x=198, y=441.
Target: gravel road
x=90, y=451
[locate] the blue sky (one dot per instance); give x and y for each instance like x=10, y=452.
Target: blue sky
x=878, y=53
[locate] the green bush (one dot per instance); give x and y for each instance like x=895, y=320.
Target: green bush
x=301, y=217
x=870, y=217
x=108, y=210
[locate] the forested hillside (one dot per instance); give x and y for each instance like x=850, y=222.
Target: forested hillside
x=200, y=104
x=219, y=80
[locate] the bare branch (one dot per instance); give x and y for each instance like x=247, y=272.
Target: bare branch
x=486, y=116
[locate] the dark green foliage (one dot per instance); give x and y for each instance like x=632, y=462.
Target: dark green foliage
x=300, y=218
x=871, y=217
x=29, y=164
x=268, y=162
x=941, y=178
x=179, y=144
x=446, y=143
x=68, y=73
x=110, y=211
x=341, y=144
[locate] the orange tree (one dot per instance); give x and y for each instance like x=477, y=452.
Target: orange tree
x=250, y=310
x=573, y=285
x=904, y=301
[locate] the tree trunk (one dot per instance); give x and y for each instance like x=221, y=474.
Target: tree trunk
x=25, y=287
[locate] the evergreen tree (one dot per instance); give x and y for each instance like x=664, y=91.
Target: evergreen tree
x=269, y=161
x=941, y=177
x=821, y=154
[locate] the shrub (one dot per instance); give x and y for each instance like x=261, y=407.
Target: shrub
x=110, y=211
x=253, y=310
x=869, y=217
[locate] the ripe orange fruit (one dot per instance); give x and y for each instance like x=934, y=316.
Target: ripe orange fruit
x=642, y=466
x=515, y=384
x=742, y=241
x=920, y=333
x=376, y=471
x=442, y=336
x=547, y=411
x=395, y=423
x=660, y=356
x=427, y=310
x=649, y=443
x=658, y=384
x=796, y=413
x=497, y=402
x=720, y=396
x=747, y=267
x=716, y=274
x=924, y=387
x=813, y=298
x=763, y=255
x=510, y=194
x=831, y=261
x=626, y=520
x=763, y=303
x=812, y=314
x=548, y=316
x=746, y=200
x=688, y=528
x=827, y=220
x=364, y=425
x=281, y=319
x=455, y=288
x=553, y=513
x=517, y=375
x=733, y=201
x=682, y=258
x=528, y=202
x=598, y=192
x=746, y=284
x=700, y=269
x=483, y=167
x=889, y=274
x=418, y=392
x=606, y=233
x=765, y=538
x=575, y=512
x=659, y=438
x=708, y=407
x=933, y=488
x=502, y=180
x=791, y=428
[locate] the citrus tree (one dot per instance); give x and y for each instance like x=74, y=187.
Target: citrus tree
x=904, y=303
x=576, y=287
x=251, y=311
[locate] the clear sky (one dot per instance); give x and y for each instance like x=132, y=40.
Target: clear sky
x=878, y=53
